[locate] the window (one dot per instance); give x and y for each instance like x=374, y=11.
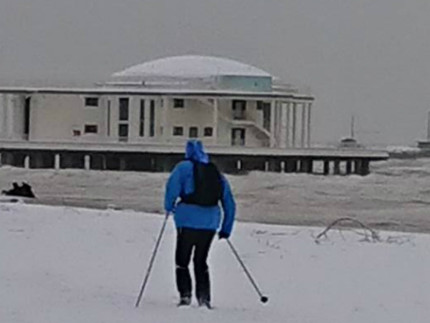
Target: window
x=76, y=133
x=27, y=116
x=238, y=137
x=261, y=105
x=123, y=109
x=178, y=131
x=193, y=132
x=123, y=132
x=152, y=119
x=91, y=102
x=142, y=118
x=239, y=107
x=90, y=128
x=208, y=132
x=178, y=103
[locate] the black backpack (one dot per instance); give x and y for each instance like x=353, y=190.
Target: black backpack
x=208, y=186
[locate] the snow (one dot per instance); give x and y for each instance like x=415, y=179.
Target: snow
x=65, y=264
x=394, y=196
x=193, y=66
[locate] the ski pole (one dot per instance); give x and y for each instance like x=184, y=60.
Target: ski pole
x=151, y=262
x=263, y=298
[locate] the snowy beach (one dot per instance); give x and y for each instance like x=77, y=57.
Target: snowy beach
x=65, y=264
x=395, y=196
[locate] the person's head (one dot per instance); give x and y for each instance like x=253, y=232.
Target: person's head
x=194, y=151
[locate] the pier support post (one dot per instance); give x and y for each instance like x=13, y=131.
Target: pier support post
x=57, y=160
x=238, y=165
x=27, y=162
x=87, y=162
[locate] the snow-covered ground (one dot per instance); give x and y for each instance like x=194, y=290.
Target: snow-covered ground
x=65, y=264
x=395, y=196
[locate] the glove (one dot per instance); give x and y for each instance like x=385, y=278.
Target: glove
x=223, y=235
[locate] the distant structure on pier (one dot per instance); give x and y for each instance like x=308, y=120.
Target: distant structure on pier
x=425, y=144
x=141, y=117
x=350, y=142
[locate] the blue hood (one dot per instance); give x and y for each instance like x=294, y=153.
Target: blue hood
x=194, y=151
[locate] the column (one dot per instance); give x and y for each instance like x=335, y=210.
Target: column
x=283, y=130
x=215, y=122
x=272, y=124
x=9, y=116
x=287, y=130
x=166, y=105
x=2, y=116
x=308, y=143
x=303, y=124
x=293, y=129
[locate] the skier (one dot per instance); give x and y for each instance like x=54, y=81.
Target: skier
x=193, y=192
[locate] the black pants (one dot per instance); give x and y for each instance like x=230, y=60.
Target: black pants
x=199, y=241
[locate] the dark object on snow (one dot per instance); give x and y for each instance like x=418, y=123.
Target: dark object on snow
x=24, y=190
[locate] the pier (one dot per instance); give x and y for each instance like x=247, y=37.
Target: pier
x=162, y=158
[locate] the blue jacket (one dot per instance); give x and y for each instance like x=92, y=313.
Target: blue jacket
x=181, y=181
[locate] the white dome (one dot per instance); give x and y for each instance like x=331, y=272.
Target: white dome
x=190, y=66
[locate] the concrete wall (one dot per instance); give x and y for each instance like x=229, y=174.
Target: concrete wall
x=56, y=117
x=12, y=116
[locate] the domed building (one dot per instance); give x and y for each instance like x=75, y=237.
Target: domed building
x=146, y=112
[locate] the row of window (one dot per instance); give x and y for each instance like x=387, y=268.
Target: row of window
x=179, y=103
x=193, y=132
x=94, y=102
x=123, y=117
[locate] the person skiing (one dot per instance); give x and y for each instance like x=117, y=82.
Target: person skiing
x=194, y=190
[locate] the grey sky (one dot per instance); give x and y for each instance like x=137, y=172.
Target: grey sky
x=369, y=58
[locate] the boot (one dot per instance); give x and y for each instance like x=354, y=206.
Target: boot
x=204, y=302
x=184, y=301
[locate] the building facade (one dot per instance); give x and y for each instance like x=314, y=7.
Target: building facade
x=141, y=117
x=147, y=105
